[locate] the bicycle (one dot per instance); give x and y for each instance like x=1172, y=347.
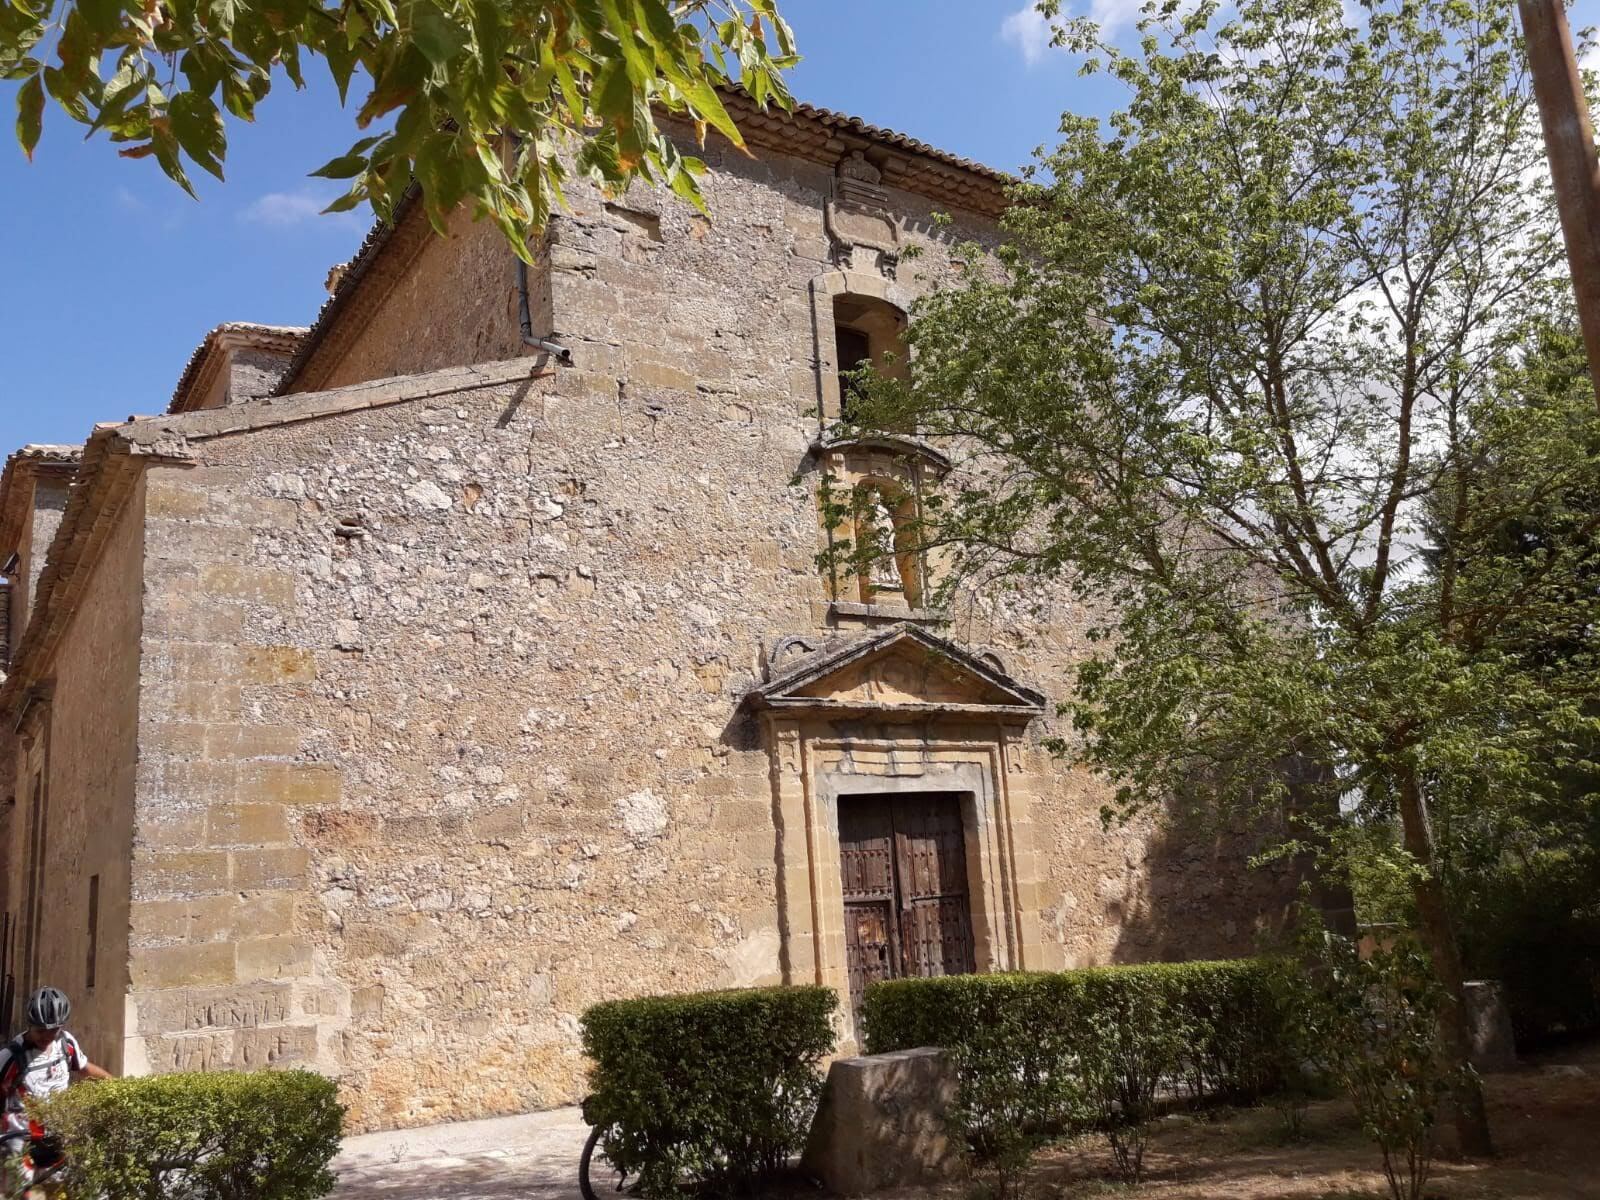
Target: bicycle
x=38, y=1165
x=594, y=1163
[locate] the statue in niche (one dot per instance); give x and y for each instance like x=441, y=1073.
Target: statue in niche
x=879, y=539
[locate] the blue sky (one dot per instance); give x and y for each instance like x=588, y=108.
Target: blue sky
x=113, y=275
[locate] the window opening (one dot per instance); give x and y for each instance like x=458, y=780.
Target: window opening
x=94, y=928
x=854, y=349
x=865, y=332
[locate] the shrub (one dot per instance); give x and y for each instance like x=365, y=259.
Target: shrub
x=1302, y=1026
x=1012, y=1052
x=1230, y=1015
x=1135, y=1031
x=1533, y=922
x=224, y=1136
x=718, y=1087
x=1382, y=1045
x=1039, y=1054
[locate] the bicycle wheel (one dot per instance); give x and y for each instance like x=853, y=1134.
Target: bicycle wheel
x=594, y=1167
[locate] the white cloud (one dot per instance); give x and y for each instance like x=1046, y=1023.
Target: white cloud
x=1028, y=31
x=1589, y=60
x=284, y=210
x=164, y=212
x=1111, y=15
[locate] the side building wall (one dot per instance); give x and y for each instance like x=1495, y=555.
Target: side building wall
x=75, y=765
x=392, y=323
x=512, y=638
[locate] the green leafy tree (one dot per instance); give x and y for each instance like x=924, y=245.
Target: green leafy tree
x=577, y=83
x=1523, y=868
x=1239, y=340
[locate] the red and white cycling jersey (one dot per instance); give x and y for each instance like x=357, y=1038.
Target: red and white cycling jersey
x=27, y=1071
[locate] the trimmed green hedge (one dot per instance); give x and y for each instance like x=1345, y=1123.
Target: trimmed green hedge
x=1041, y=1053
x=1221, y=1009
x=266, y=1135
x=718, y=1087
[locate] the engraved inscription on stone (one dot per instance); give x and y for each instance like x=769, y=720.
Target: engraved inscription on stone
x=208, y=1053
x=236, y=1012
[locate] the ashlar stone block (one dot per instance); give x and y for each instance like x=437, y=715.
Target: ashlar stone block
x=882, y=1122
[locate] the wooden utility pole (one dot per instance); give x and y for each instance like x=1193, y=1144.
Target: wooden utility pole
x=1569, y=144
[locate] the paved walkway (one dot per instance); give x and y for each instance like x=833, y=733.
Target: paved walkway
x=508, y=1158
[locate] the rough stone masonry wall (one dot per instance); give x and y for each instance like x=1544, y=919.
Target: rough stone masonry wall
x=221, y=967
x=89, y=752
x=441, y=729
x=41, y=519
x=645, y=290
x=522, y=623
x=403, y=328
x=509, y=630
x=676, y=315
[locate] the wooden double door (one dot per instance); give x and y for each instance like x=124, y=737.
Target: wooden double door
x=903, y=862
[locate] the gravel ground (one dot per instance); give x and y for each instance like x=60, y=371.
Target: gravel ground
x=531, y=1157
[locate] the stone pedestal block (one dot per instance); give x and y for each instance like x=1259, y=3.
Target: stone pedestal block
x=882, y=1122
x=1493, y=1047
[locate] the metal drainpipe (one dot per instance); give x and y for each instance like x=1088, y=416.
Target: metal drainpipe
x=554, y=349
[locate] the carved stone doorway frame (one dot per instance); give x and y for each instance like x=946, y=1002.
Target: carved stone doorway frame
x=825, y=746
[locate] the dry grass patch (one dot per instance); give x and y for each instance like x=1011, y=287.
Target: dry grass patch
x=1546, y=1120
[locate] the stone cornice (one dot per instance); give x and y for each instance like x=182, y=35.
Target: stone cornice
x=900, y=444
x=786, y=690
x=172, y=433
x=826, y=136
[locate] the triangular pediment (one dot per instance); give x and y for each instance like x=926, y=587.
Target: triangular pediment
x=903, y=668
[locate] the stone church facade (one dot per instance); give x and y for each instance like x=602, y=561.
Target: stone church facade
x=404, y=689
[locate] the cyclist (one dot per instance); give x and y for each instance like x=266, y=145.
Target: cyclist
x=39, y=1062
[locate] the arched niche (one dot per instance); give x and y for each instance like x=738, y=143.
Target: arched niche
x=871, y=509
x=855, y=315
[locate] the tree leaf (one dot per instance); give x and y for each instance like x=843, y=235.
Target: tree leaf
x=437, y=36
x=63, y=92
x=639, y=66
x=346, y=166
x=576, y=78
x=197, y=127
x=707, y=104
x=654, y=21
x=104, y=17
x=395, y=86
x=342, y=62
x=30, y=114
